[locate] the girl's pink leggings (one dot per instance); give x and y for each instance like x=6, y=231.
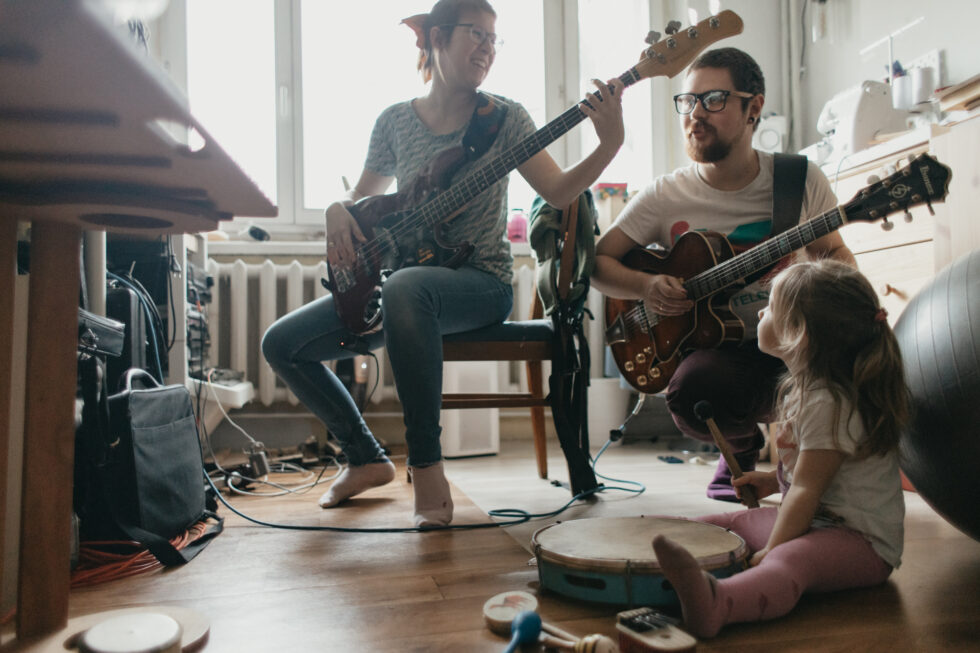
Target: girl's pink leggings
x=821, y=560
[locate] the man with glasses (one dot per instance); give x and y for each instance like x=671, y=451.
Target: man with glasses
x=727, y=189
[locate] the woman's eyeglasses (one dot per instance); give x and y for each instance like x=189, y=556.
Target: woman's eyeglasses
x=480, y=36
x=712, y=101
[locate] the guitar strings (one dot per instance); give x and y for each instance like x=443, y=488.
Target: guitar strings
x=762, y=254
x=747, y=262
x=479, y=180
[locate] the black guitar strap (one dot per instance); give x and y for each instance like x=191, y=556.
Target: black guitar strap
x=788, y=185
x=484, y=126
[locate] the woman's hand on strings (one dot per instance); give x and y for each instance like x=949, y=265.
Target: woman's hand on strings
x=342, y=232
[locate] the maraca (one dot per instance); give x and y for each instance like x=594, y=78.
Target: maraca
x=525, y=628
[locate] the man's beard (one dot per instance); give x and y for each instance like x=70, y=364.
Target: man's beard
x=714, y=152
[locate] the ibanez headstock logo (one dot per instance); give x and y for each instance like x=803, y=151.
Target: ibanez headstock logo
x=924, y=171
x=898, y=191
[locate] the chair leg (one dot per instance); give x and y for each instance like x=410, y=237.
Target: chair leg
x=536, y=388
x=540, y=444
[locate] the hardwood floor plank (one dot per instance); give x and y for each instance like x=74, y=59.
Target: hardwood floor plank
x=265, y=589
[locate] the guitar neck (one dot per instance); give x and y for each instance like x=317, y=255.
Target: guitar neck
x=459, y=195
x=764, y=254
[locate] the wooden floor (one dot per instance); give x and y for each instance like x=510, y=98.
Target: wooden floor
x=266, y=589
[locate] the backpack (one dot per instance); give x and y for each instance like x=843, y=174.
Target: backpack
x=545, y=236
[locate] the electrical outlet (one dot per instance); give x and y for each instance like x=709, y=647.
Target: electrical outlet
x=935, y=59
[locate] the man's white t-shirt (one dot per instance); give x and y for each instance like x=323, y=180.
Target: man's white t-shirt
x=682, y=201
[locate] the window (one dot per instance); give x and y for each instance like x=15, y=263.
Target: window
x=339, y=111
x=231, y=81
x=291, y=88
x=603, y=58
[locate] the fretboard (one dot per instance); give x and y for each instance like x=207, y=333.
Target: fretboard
x=763, y=255
x=459, y=195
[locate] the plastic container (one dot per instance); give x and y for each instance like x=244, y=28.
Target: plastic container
x=517, y=226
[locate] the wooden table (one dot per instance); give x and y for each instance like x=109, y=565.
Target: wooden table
x=84, y=145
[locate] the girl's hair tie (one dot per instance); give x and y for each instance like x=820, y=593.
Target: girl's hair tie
x=881, y=315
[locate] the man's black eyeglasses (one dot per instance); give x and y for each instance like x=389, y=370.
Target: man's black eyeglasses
x=712, y=101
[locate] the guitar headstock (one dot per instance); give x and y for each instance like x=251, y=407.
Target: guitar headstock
x=672, y=55
x=923, y=181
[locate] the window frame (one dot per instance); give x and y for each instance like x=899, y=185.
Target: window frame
x=561, y=40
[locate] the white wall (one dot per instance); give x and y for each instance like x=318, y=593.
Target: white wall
x=760, y=38
x=833, y=64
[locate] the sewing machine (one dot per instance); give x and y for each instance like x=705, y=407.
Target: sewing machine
x=853, y=119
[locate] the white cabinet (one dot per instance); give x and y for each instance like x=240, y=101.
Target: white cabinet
x=900, y=261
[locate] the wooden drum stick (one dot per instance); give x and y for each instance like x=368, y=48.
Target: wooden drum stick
x=704, y=412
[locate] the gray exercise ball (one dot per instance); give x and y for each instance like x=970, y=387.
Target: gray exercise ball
x=939, y=335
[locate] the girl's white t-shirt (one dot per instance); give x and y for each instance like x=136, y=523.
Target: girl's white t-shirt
x=865, y=494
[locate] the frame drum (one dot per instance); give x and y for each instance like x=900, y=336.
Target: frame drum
x=611, y=559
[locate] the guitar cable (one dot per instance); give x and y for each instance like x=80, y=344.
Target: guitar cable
x=513, y=516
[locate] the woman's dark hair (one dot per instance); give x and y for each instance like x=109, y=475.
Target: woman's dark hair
x=445, y=12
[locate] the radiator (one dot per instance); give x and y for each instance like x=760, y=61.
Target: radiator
x=248, y=297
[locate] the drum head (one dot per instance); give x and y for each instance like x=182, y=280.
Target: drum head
x=609, y=543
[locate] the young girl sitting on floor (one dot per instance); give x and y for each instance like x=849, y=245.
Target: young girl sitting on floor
x=841, y=406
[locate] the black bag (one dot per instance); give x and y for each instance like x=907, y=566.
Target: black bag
x=146, y=480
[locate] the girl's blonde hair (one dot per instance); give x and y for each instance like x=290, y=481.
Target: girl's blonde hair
x=833, y=334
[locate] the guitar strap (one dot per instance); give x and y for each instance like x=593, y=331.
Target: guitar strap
x=788, y=186
x=484, y=126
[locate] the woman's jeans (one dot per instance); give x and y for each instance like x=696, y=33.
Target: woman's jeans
x=419, y=305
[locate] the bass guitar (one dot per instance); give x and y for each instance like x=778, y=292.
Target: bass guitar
x=648, y=347
x=431, y=201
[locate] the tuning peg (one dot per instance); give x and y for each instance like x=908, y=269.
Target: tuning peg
x=673, y=27
x=908, y=216
x=873, y=179
x=886, y=225
x=929, y=206
x=652, y=37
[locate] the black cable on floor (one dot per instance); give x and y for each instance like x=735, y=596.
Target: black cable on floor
x=516, y=515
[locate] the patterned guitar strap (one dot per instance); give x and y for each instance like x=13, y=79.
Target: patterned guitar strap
x=488, y=116
x=485, y=124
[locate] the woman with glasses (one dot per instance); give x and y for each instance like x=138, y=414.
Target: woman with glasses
x=727, y=189
x=457, y=43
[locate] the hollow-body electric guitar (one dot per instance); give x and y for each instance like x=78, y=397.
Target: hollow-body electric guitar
x=648, y=347
x=431, y=201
